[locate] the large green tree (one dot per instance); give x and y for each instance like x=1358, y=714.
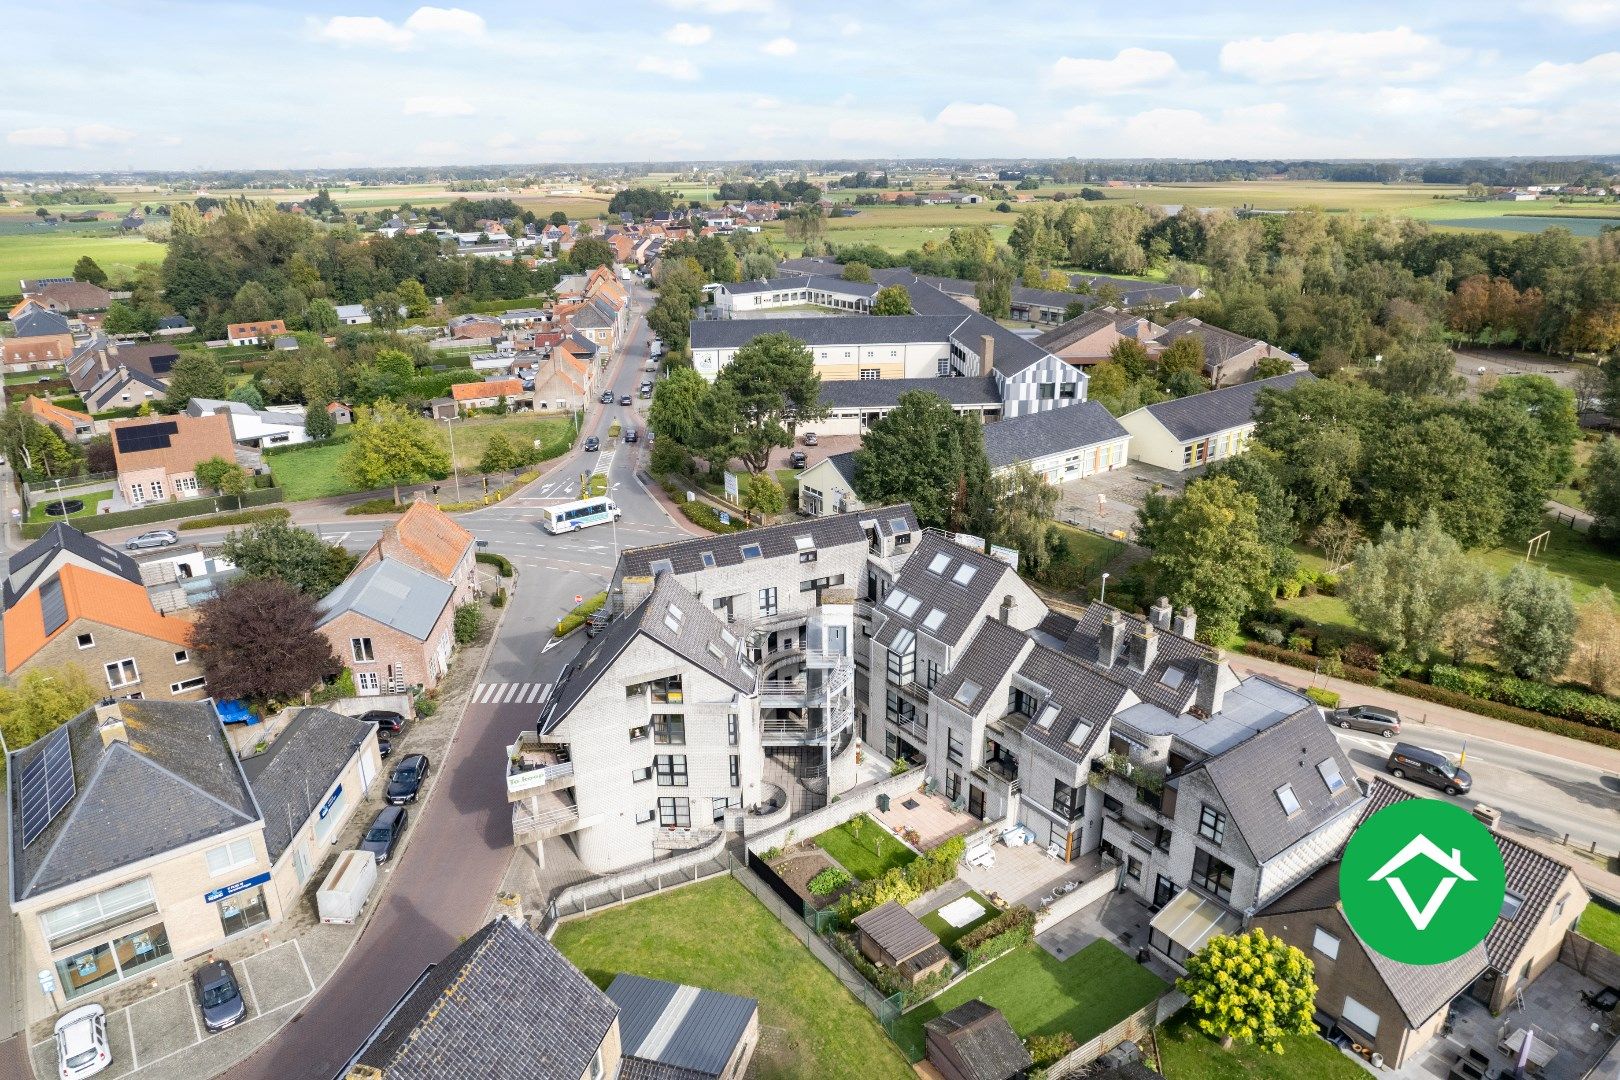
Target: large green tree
x=1535, y=622
x=1257, y=472
x=36, y=451
x=1208, y=552
x=1023, y=505
x=1406, y=589
x=747, y=415
x=86, y=269
x=892, y=300
x=195, y=375
x=1251, y=988
x=259, y=641
x=1602, y=490
x=677, y=411
x=1553, y=409
x=1435, y=466
x=40, y=700
x=276, y=549
x=915, y=454
x=390, y=446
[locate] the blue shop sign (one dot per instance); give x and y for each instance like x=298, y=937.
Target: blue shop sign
x=231, y=890
x=331, y=800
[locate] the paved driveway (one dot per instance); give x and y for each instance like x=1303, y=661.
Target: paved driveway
x=1121, y=491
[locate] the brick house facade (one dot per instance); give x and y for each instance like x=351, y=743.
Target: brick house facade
x=384, y=659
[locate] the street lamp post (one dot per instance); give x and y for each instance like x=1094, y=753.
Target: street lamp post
x=449, y=423
x=1102, y=594
x=58, y=482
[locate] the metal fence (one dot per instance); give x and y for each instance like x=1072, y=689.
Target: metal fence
x=573, y=903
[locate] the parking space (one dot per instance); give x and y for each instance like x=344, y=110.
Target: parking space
x=162, y=1037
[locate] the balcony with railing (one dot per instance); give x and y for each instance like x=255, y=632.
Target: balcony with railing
x=683, y=839
x=1000, y=773
x=538, y=817
x=535, y=765
x=1123, y=831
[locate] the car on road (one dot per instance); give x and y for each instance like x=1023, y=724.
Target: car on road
x=157, y=538
x=797, y=459
x=630, y=435
x=1431, y=767
x=646, y=388
x=219, y=996
x=592, y=444
x=810, y=438
x=386, y=829
x=607, y=397
x=405, y=782
x=1382, y=722
x=386, y=720
x=81, y=1043
x=625, y=400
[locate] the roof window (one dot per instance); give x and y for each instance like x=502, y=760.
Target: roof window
x=964, y=573
x=1290, y=803
x=751, y=551
x=941, y=561
x=1329, y=769
x=967, y=693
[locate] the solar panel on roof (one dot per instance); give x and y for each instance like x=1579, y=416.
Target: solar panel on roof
x=155, y=436
x=47, y=785
x=52, y=605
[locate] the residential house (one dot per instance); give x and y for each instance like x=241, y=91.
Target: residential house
x=677, y=1032
x=1185, y=433
x=353, y=315
x=105, y=624
x=258, y=428
x=157, y=456
x=563, y=382
x=1059, y=445
x=62, y=544
x=192, y=863
x=502, y=1005
x=36, y=351
x=172, y=326
x=254, y=333
x=123, y=388
x=474, y=327
x=29, y=320
x=93, y=361
x=472, y=396
x=391, y=625
x=974, y=1041
x=71, y=425
x=596, y=320
x=892, y=937
x=1228, y=358
x=1089, y=339
x=70, y=297
x=828, y=487
x=429, y=540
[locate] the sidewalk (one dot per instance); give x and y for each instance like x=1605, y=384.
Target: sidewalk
x=1441, y=716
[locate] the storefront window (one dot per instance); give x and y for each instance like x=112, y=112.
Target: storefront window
x=107, y=963
x=245, y=909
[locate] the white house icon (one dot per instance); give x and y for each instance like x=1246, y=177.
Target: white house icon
x=1422, y=845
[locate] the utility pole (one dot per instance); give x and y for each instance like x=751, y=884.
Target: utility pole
x=449, y=423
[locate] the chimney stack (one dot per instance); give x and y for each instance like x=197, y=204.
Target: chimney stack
x=1488, y=816
x=1186, y=624
x=987, y=353
x=1142, y=645
x=1159, y=614
x=1211, y=695
x=1007, y=605
x=1110, y=638
x=110, y=722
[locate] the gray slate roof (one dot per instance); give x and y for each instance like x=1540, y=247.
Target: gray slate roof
x=994, y=650
x=845, y=464
x=1219, y=345
x=698, y=637
x=679, y=1027
x=896, y=931
x=110, y=388
x=290, y=777
x=984, y=1040
x=827, y=282
x=819, y=331
x=1055, y=431
x=391, y=593
x=839, y=394
x=775, y=541
x=1539, y=880
x=959, y=602
x=62, y=542
x=1200, y=415
x=37, y=323
x=1248, y=775
x=503, y=1005
x=173, y=783
x=1172, y=652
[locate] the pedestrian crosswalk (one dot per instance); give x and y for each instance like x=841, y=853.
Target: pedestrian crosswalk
x=511, y=693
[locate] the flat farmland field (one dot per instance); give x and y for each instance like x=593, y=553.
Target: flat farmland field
x=40, y=254
x=1282, y=195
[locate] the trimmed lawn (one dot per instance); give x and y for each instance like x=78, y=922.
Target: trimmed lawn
x=1601, y=925
x=1084, y=995
x=1585, y=563
x=1185, y=1053
x=311, y=471
x=949, y=934
x=91, y=500
x=716, y=935
x=1324, y=611
x=871, y=854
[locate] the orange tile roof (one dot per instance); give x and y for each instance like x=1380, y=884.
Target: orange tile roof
x=468, y=391
x=102, y=598
x=51, y=413
x=432, y=536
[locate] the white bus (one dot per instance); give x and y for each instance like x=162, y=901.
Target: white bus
x=572, y=516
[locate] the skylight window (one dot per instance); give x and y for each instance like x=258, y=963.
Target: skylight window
x=904, y=642
x=1048, y=715
x=895, y=598
x=716, y=652
x=708, y=558
x=751, y=551
x=964, y=573
x=672, y=624
x=675, y=613
x=1290, y=803
x=1173, y=677
x=967, y=693
x=1510, y=906
x=909, y=607
x=1077, y=737
x=935, y=619
x=726, y=636
x=1330, y=775
x=941, y=561
x=899, y=526
x=804, y=543
x=661, y=566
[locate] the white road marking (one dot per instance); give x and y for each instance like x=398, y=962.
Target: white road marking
x=510, y=693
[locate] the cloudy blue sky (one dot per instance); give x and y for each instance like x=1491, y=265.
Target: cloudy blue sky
x=223, y=84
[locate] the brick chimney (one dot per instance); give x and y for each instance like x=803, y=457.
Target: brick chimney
x=987, y=353
x=1159, y=614
x=1142, y=645
x=1211, y=695
x=1007, y=606
x=110, y=722
x=1186, y=624
x=1488, y=816
x=1110, y=638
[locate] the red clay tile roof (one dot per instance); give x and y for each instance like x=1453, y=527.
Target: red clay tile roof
x=49, y=412
x=431, y=535
x=469, y=391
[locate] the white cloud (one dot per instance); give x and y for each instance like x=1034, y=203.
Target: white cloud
x=1377, y=55
x=764, y=102
x=721, y=7
x=849, y=28
x=1253, y=130
x=82, y=137
x=1131, y=69
x=424, y=23
x=1579, y=12
x=502, y=140
x=770, y=131
x=963, y=114
x=438, y=106
x=782, y=46
x=669, y=68
x=688, y=34
x=440, y=149
x=1547, y=79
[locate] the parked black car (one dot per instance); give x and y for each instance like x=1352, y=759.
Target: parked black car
x=388, y=721
x=405, y=782
x=218, y=995
x=592, y=444
x=386, y=829
x=797, y=459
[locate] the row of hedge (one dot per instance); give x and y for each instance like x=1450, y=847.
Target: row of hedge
x=1565, y=702
x=699, y=512
x=238, y=517
x=576, y=618
x=1010, y=929
x=500, y=562
x=146, y=515
x=1440, y=696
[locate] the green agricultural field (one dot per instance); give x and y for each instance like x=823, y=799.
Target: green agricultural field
x=53, y=254
x=715, y=935
x=1283, y=195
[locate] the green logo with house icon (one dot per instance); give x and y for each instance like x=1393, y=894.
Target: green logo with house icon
x=1422, y=881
